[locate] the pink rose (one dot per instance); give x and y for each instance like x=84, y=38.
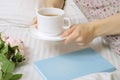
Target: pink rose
x=22, y=52
x=11, y=42
x=16, y=42
x=4, y=37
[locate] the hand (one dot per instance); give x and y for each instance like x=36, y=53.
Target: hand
x=80, y=33
x=34, y=22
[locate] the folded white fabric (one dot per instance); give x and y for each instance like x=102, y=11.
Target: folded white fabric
x=101, y=76
x=96, y=76
x=22, y=10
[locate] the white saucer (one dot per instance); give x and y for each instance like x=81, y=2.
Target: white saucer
x=36, y=34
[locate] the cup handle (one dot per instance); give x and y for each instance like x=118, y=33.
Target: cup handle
x=67, y=20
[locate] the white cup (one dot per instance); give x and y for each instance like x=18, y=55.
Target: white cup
x=51, y=21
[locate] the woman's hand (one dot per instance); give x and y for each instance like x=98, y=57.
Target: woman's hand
x=34, y=22
x=80, y=33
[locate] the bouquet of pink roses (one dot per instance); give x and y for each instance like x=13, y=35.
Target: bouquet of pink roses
x=11, y=53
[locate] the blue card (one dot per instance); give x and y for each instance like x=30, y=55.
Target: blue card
x=73, y=65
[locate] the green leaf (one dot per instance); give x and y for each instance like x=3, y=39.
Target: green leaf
x=8, y=66
x=1, y=43
x=16, y=77
x=7, y=76
x=18, y=58
x=3, y=58
x=4, y=49
x=14, y=48
x=0, y=74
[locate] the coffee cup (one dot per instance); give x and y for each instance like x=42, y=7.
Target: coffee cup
x=51, y=21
